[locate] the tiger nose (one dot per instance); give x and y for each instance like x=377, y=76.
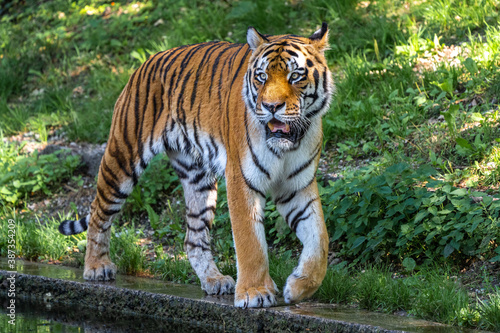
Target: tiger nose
x=273, y=107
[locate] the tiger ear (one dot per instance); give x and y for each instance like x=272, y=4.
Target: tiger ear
x=320, y=38
x=255, y=38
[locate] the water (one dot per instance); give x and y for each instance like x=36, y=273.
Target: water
x=54, y=317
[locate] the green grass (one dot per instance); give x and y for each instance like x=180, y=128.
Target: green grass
x=490, y=312
x=172, y=268
x=417, y=107
x=36, y=239
x=126, y=252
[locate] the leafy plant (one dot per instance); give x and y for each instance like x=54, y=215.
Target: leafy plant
x=22, y=175
x=403, y=214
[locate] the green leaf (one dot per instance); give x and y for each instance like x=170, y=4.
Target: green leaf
x=448, y=249
x=5, y=191
x=337, y=235
x=460, y=192
x=471, y=65
x=446, y=86
x=476, y=116
x=358, y=242
x=463, y=143
x=420, y=216
x=154, y=218
x=409, y=264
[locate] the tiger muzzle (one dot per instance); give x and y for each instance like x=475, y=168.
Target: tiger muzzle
x=281, y=130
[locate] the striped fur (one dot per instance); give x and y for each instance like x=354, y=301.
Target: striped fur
x=250, y=112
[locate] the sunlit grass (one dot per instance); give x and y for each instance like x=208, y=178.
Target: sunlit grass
x=403, y=94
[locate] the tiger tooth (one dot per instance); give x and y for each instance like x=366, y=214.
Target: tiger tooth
x=287, y=128
x=271, y=126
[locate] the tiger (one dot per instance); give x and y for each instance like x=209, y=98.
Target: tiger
x=249, y=112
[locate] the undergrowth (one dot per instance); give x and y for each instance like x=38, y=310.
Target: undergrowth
x=412, y=135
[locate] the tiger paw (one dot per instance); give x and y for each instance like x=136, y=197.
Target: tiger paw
x=298, y=288
x=219, y=285
x=103, y=270
x=260, y=297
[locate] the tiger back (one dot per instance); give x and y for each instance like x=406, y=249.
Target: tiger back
x=248, y=112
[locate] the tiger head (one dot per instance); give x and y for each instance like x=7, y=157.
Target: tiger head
x=287, y=85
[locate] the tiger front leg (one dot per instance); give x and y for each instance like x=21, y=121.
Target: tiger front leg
x=304, y=215
x=200, y=193
x=254, y=286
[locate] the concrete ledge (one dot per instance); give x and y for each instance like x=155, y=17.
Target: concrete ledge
x=210, y=313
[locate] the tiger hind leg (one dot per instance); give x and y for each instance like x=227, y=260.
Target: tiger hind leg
x=200, y=193
x=114, y=184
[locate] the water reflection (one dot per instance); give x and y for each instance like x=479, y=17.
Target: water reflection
x=54, y=318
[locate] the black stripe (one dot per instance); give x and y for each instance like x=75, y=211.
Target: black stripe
x=103, y=196
x=120, y=159
x=140, y=144
x=207, y=223
x=71, y=226
x=211, y=153
x=315, y=112
x=176, y=54
x=104, y=229
x=254, y=157
x=306, y=164
x=108, y=212
x=212, y=141
x=296, y=222
x=195, y=131
x=128, y=144
x=250, y=185
x=203, y=211
x=203, y=247
x=244, y=61
x=288, y=215
x=103, y=219
x=116, y=190
x=83, y=224
x=324, y=82
x=179, y=172
x=196, y=229
x=299, y=215
x=215, y=65
x=181, y=113
x=281, y=199
x=205, y=58
x=267, y=53
x=198, y=177
x=102, y=254
x=187, y=167
x=209, y=187
x=171, y=84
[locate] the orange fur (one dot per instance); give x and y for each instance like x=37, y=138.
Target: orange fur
x=188, y=102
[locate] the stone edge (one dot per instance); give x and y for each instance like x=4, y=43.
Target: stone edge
x=111, y=299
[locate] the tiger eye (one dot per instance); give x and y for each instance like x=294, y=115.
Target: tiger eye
x=262, y=76
x=294, y=76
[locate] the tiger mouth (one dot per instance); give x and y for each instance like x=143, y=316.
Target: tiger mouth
x=281, y=130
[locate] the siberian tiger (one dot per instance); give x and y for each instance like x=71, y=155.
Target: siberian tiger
x=250, y=112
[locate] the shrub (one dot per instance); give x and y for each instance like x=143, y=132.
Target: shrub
x=404, y=213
